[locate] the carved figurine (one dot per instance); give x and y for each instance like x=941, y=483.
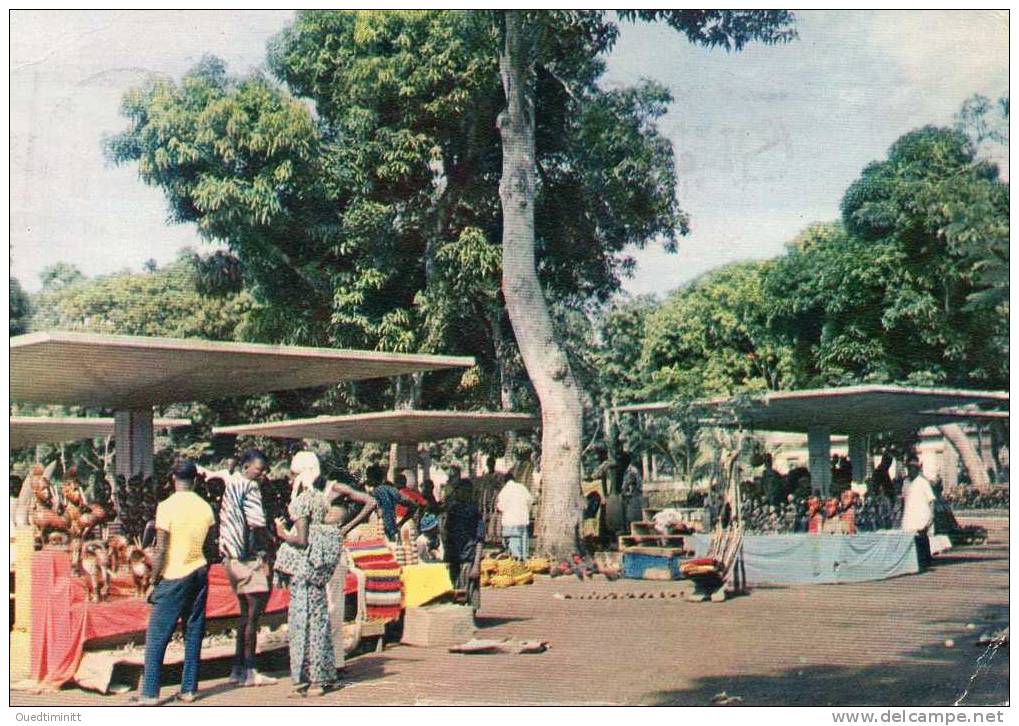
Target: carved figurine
x=141, y=569
x=95, y=566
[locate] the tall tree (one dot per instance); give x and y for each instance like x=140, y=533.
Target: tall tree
x=375, y=221
x=19, y=308
x=883, y=297
x=59, y=275
x=526, y=49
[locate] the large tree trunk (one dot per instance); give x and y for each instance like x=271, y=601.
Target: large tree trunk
x=545, y=360
x=503, y=353
x=968, y=454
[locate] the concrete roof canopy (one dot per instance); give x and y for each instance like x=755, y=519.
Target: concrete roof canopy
x=134, y=373
x=852, y=409
x=32, y=430
x=389, y=426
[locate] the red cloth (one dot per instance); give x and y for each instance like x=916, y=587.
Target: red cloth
x=63, y=620
x=415, y=496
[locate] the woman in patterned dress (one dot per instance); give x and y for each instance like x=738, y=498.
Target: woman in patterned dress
x=319, y=545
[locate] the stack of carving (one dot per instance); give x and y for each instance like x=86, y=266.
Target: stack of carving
x=137, y=500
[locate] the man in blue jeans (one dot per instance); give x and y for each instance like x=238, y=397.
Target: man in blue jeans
x=180, y=583
x=514, y=505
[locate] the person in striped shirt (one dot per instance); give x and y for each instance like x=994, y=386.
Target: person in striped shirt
x=244, y=544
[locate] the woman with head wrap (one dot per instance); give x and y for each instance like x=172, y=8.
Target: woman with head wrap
x=305, y=469
x=309, y=553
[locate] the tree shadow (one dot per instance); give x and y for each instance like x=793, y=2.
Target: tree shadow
x=491, y=621
x=933, y=675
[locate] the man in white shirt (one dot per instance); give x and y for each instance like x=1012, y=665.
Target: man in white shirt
x=918, y=508
x=514, y=506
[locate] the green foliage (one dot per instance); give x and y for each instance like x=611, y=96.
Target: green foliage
x=374, y=221
x=712, y=337
x=19, y=308
x=883, y=297
x=983, y=120
x=60, y=275
x=164, y=303
x=728, y=29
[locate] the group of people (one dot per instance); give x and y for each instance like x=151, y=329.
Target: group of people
x=908, y=504
x=302, y=550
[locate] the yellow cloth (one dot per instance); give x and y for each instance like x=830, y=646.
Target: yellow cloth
x=425, y=582
x=186, y=517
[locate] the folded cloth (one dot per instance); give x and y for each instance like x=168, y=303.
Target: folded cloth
x=697, y=561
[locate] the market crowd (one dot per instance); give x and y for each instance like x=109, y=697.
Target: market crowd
x=291, y=533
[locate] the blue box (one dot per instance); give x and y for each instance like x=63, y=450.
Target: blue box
x=652, y=563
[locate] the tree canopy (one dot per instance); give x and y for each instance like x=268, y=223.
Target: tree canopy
x=884, y=295
x=359, y=185
x=19, y=308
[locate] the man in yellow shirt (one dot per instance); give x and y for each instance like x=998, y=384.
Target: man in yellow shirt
x=180, y=583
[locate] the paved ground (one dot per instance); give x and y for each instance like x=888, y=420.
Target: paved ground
x=878, y=643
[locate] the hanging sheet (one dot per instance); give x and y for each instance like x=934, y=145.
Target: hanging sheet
x=797, y=559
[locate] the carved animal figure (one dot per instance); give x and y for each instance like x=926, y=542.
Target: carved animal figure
x=95, y=566
x=141, y=569
x=117, y=545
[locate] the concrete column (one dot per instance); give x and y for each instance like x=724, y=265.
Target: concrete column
x=403, y=456
x=859, y=457
x=949, y=466
x=425, y=457
x=133, y=433
x=819, y=451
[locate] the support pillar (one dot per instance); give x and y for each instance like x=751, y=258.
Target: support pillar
x=859, y=457
x=134, y=436
x=949, y=466
x=425, y=457
x=819, y=451
x=403, y=456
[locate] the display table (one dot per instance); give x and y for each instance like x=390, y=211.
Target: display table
x=801, y=559
x=64, y=621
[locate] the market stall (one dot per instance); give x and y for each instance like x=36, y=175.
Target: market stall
x=407, y=429
x=131, y=375
x=26, y=431
x=856, y=411
x=810, y=559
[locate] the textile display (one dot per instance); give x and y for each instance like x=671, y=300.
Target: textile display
x=383, y=584
x=423, y=583
x=64, y=621
x=799, y=559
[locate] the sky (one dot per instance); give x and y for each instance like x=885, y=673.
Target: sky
x=766, y=140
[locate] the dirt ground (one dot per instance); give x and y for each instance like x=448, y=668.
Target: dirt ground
x=880, y=643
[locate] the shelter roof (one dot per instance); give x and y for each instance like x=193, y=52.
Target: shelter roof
x=851, y=409
x=31, y=430
x=129, y=372
x=389, y=426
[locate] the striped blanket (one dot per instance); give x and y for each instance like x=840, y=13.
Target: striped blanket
x=383, y=586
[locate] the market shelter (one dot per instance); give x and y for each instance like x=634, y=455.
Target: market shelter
x=131, y=374
x=855, y=411
x=406, y=428
x=402, y=427
x=28, y=431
